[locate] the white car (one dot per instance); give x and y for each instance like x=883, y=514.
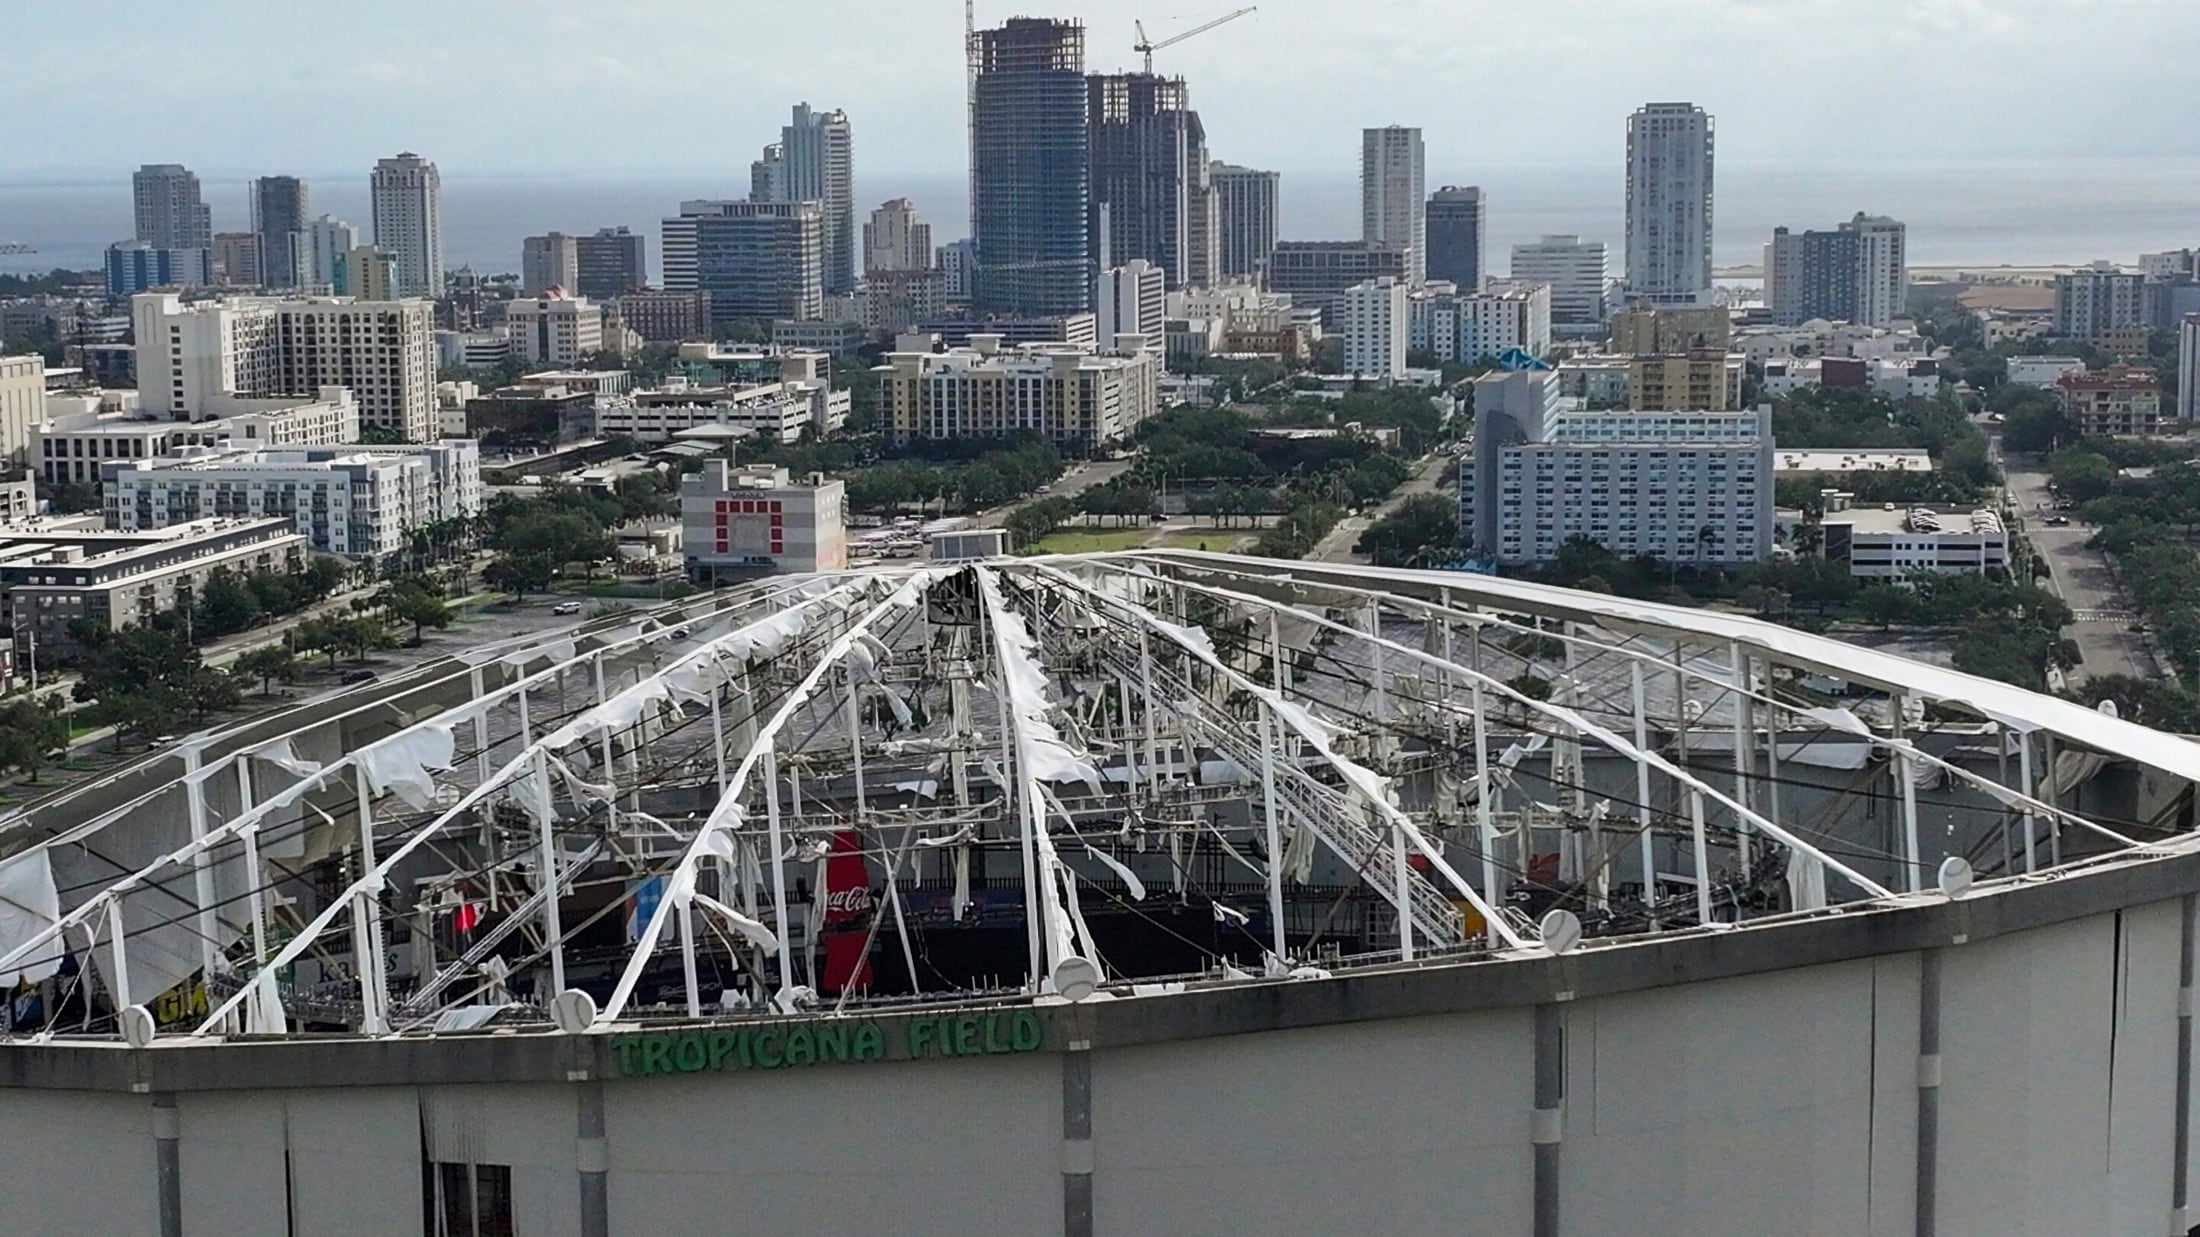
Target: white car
x=566, y=607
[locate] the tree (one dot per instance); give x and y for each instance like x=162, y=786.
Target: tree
x=142, y=679
x=30, y=732
x=267, y=665
x=226, y=606
x=1421, y=530
x=519, y=574
x=2082, y=476
x=1885, y=605
x=410, y=602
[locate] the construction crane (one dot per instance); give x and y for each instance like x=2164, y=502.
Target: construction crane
x=1149, y=47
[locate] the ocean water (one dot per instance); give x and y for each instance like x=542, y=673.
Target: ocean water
x=2013, y=212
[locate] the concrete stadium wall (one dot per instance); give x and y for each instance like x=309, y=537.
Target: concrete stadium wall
x=1778, y=1079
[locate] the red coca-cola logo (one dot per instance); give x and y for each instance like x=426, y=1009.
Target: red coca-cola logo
x=855, y=901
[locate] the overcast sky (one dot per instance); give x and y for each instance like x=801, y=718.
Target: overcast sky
x=496, y=87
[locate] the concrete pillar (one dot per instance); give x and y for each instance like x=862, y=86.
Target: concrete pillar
x=168, y=1162
x=592, y=1157
x=2181, y=1137
x=1928, y=1093
x=1547, y=1124
x=1077, y=1140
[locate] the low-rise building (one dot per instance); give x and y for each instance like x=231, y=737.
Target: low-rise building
x=1889, y=542
x=1650, y=330
x=22, y=406
x=531, y=416
x=1861, y=459
x=356, y=500
x=1469, y=327
x=770, y=411
x=2043, y=371
x=81, y=435
x=1597, y=381
x=2122, y=399
x=834, y=337
x=666, y=317
x=55, y=573
x=738, y=523
x=1079, y=330
x=1076, y=397
x=1686, y=382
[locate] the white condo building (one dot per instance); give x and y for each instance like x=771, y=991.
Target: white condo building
x=82, y=434
x=1394, y=194
x=1882, y=268
x=554, y=330
x=358, y=501
x=896, y=240
x=1576, y=271
x=408, y=221
x=1688, y=487
x=1132, y=299
x=1467, y=327
x=193, y=360
x=319, y=252
x=1072, y=395
x=1376, y=326
x=1669, y=203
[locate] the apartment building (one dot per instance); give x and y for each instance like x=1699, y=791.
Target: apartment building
x=1077, y=397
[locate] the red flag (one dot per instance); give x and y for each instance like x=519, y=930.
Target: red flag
x=848, y=910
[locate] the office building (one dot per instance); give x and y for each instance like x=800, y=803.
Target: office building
x=193, y=358
x=2188, y=369
x=1883, y=269
x=737, y=523
x=22, y=406
x=1246, y=208
x=318, y=252
x=1643, y=330
x=170, y=213
x=1394, y=195
x=1458, y=237
x=1576, y=272
x=2120, y=400
x=666, y=317
x=235, y=260
x=1030, y=152
x=1686, y=487
x=756, y=259
x=1375, y=329
x=82, y=434
x=895, y=240
x=134, y=267
x=554, y=330
x=1150, y=197
x=357, y=501
x=1875, y=543
x=549, y=261
x=280, y=209
x=408, y=221
x=612, y=262
x=2095, y=302
x=1316, y=274
x=1131, y=299
x=55, y=576
x=529, y=417
x=1076, y=397
x=1703, y=381
x=1669, y=204
x=814, y=162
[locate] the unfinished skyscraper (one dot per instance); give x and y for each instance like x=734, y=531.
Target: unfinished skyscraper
x=1029, y=144
x=1151, y=192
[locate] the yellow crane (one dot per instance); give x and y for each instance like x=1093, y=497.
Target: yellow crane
x=1148, y=47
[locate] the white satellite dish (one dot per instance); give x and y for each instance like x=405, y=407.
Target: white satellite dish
x=573, y=1010
x=137, y=1026
x=1956, y=876
x=1076, y=978
x=1561, y=931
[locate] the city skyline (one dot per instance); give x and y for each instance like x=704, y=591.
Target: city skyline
x=1733, y=57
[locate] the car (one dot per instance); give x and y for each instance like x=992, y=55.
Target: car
x=2058, y=521
x=566, y=607
x=360, y=676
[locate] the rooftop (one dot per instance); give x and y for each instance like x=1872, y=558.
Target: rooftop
x=1892, y=459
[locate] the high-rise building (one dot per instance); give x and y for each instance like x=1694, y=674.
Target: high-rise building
x=1030, y=146
x=1246, y=205
x=369, y=273
x=1471, y=327
x=1316, y=274
x=2092, y=302
x=756, y=259
x=1458, y=232
x=552, y=260
x=1857, y=273
x=895, y=240
x=1669, y=203
x=170, y=214
x=1882, y=268
x=1151, y=198
x=1132, y=299
x=2188, y=368
x=279, y=210
x=22, y=405
x=1394, y=194
x=236, y=259
x=611, y=263
x=1646, y=330
x=554, y=330
x=206, y=355
x=408, y=221
x=814, y=161
x=317, y=252
x=135, y=266
x=1576, y=272
x=1375, y=329
x=958, y=263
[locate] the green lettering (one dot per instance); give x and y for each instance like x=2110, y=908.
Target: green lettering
x=689, y=1053
x=656, y=1055
x=721, y=1047
x=832, y=1042
x=801, y=1047
x=766, y=1040
x=870, y=1043
x=966, y=1035
x=623, y=1048
x=741, y=1048
x=920, y=1037
x=1024, y=1031
x=993, y=1041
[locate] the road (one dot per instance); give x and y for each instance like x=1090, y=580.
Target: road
x=1337, y=546
x=1077, y=480
x=2081, y=577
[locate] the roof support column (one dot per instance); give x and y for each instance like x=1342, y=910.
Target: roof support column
x=2181, y=1137
x=1077, y=1139
x=592, y=1158
x=1928, y=1093
x=168, y=1162
x=1547, y=1124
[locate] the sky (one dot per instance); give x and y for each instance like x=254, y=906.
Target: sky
x=238, y=88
